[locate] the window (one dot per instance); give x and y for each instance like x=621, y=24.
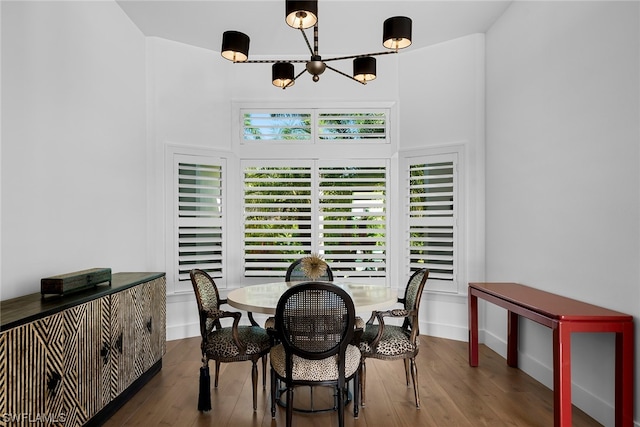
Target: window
x=315, y=125
x=353, y=219
x=352, y=126
x=336, y=209
x=271, y=126
x=432, y=218
x=198, y=194
x=277, y=216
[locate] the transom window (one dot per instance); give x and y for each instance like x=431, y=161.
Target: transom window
x=314, y=125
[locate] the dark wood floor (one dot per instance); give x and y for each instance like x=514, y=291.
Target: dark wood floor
x=451, y=392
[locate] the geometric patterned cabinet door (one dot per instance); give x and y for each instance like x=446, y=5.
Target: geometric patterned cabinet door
x=154, y=295
x=138, y=340
x=64, y=368
x=123, y=339
x=52, y=366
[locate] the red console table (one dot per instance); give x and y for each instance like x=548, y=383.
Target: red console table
x=564, y=316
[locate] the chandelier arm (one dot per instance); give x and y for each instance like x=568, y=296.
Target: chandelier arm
x=272, y=61
x=339, y=58
x=346, y=75
x=306, y=39
x=295, y=78
x=315, y=39
x=300, y=73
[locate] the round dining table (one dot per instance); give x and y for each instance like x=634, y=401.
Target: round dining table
x=263, y=298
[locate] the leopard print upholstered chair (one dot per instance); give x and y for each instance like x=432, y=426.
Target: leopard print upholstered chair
x=392, y=342
x=233, y=343
x=314, y=323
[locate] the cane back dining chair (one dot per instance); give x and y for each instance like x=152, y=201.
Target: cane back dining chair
x=392, y=342
x=303, y=269
x=315, y=326
x=225, y=344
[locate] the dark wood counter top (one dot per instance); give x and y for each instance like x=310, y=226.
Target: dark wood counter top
x=21, y=310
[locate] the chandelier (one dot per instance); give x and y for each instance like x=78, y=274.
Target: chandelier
x=301, y=15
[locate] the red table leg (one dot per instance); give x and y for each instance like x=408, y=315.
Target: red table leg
x=473, y=329
x=562, y=375
x=512, y=339
x=624, y=376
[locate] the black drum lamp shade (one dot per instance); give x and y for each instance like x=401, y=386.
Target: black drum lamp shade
x=301, y=14
x=282, y=74
x=235, y=46
x=396, y=32
x=364, y=69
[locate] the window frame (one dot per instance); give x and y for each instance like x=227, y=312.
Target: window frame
x=316, y=130
x=396, y=270
x=276, y=150
x=175, y=154
x=315, y=240
x=456, y=152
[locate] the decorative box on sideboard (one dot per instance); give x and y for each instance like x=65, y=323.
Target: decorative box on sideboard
x=73, y=360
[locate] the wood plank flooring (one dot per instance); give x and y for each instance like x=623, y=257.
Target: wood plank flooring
x=451, y=393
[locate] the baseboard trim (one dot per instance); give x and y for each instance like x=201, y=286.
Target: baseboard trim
x=597, y=408
x=440, y=330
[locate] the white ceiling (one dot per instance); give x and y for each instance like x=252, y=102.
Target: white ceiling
x=345, y=27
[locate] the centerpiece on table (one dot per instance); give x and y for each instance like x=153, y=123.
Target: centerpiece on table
x=313, y=266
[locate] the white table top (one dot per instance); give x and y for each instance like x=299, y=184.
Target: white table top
x=264, y=298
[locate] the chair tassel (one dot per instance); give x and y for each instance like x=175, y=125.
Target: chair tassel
x=204, y=397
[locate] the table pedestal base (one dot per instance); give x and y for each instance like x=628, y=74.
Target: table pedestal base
x=319, y=398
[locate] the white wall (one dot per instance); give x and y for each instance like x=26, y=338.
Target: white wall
x=442, y=108
x=562, y=175
x=73, y=141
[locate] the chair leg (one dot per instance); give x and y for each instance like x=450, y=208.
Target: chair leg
x=341, y=386
x=264, y=372
x=363, y=381
x=254, y=382
x=215, y=384
x=406, y=370
x=414, y=374
x=273, y=393
x=356, y=394
x=289, y=405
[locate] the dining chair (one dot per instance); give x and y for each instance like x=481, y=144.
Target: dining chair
x=309, y=268
x=315, y=326
x=392, y=342
x=233, y=343
x=303, y=269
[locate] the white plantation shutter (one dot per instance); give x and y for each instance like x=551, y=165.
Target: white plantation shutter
x=200, y=196
x=277, y=216
x=291, y=210
x=276, y=126
x=352, y=219
x=431, y=206
x=345, y=126
x=314, y=125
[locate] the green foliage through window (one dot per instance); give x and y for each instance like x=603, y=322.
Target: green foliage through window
x=310, y=125
x=339, y=212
